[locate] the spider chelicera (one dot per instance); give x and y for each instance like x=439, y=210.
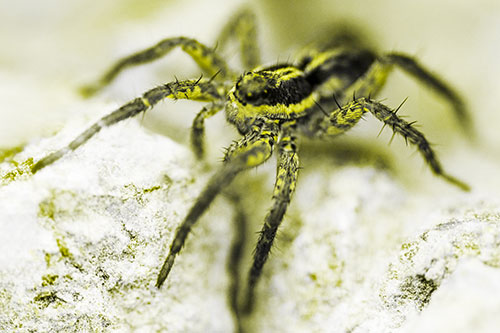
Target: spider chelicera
x=271, y=107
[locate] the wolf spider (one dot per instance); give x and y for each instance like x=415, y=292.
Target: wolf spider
x=272, y=106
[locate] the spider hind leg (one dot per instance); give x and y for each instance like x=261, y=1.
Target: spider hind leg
x=412, y=67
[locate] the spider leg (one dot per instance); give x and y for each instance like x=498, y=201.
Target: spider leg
x=240, y=220
x=198, y=127
x=408, y=131
x=208, y=60
x=339, y=120
x=286, y=178
x=189, y=89
x=370, y=83
x=412, y=67
x=243, y=26
x=252, y=150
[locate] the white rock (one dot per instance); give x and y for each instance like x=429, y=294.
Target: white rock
x=84, y=239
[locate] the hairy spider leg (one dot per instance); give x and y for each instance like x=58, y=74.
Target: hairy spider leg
x=345, y=118
x=412, y=67
x=240, y=220
x=190, y=89
x=369, y=84
x=341, y=120
x=411, y=135
x=250, y=151
x=284, y=187
x=243, y=27
x=198, y=127
x=208, y=60
x=374, y=79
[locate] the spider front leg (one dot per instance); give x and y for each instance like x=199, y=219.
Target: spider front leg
x=190, y=89
x=198, y=127
x=252, y=150
x=208, y=60
x=411, y=135
x=286, y=179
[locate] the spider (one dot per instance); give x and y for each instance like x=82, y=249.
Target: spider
x=272, y=107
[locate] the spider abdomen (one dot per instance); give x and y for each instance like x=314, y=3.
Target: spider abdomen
x=338, y=67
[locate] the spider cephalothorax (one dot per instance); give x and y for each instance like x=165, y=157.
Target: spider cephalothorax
x=277, y=92
x=271, y=108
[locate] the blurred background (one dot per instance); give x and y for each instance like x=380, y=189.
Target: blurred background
x=50, y=48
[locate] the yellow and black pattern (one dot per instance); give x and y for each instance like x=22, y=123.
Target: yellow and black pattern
x=272, y=106
x=197, y=90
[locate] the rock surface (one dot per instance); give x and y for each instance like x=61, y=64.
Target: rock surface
x=83, y=240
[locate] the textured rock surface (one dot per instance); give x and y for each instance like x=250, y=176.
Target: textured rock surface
x=83, y=239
